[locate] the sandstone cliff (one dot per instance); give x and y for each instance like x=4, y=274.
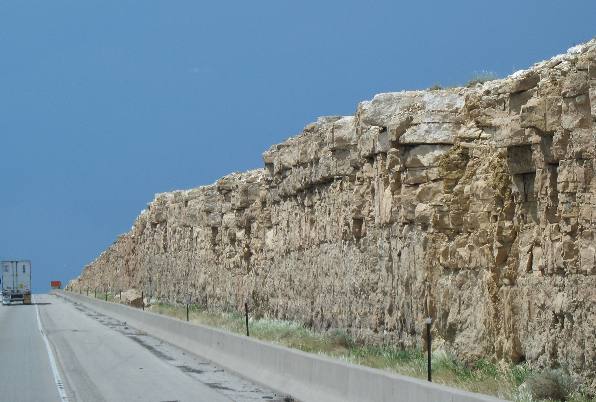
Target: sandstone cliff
x=476, y=206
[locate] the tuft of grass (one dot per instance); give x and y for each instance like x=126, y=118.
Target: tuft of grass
x=519, y=373
x=480, y=77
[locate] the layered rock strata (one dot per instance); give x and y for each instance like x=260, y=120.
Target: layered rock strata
x=476, y=206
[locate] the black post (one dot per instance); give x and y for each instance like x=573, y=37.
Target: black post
x=106, y=295
x=246, y=315
x=143, y=300
x=428, y=348
x=95, y=294
x=187, y=306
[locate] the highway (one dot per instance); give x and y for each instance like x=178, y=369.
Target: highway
x=25, y=372
x=56, y=350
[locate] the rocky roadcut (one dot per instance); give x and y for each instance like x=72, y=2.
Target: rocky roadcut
x=476, y=206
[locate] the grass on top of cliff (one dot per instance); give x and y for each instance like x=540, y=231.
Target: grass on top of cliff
x=502, y=380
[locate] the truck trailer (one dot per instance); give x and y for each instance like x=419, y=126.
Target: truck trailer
x=16, y=281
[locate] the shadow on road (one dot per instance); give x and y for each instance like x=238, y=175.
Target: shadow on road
x=32, y=304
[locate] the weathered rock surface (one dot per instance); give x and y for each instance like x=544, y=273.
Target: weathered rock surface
x=476, y=206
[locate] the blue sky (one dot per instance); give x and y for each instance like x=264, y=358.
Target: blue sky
x=105, y=103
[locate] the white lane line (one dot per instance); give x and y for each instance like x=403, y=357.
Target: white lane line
x=57, y=378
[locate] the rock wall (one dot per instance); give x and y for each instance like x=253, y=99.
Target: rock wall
x=476, y=206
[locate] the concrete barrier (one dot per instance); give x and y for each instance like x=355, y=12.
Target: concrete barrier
x=304, y=376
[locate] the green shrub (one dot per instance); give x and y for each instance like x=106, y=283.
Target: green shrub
x=340, y=338
x=486, y=368
x=519, y=373
x=550, y=384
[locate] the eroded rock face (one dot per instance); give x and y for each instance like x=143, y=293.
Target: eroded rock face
x=476, y=206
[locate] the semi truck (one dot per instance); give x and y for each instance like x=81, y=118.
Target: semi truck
x=16, y=281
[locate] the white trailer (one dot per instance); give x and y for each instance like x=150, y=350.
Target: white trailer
x=16, y=281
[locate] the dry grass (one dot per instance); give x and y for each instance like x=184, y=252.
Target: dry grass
x=506, y=381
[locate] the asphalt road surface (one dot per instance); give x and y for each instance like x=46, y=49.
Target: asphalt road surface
x=56, y=350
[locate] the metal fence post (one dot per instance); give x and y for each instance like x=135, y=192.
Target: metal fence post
x=246, y=315
x=428, y=348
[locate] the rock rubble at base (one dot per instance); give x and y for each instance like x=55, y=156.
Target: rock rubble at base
x=476, y=206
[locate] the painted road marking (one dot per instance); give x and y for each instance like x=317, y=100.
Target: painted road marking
x=57, y=378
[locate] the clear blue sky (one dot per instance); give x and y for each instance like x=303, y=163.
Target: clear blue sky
x=104, y=103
